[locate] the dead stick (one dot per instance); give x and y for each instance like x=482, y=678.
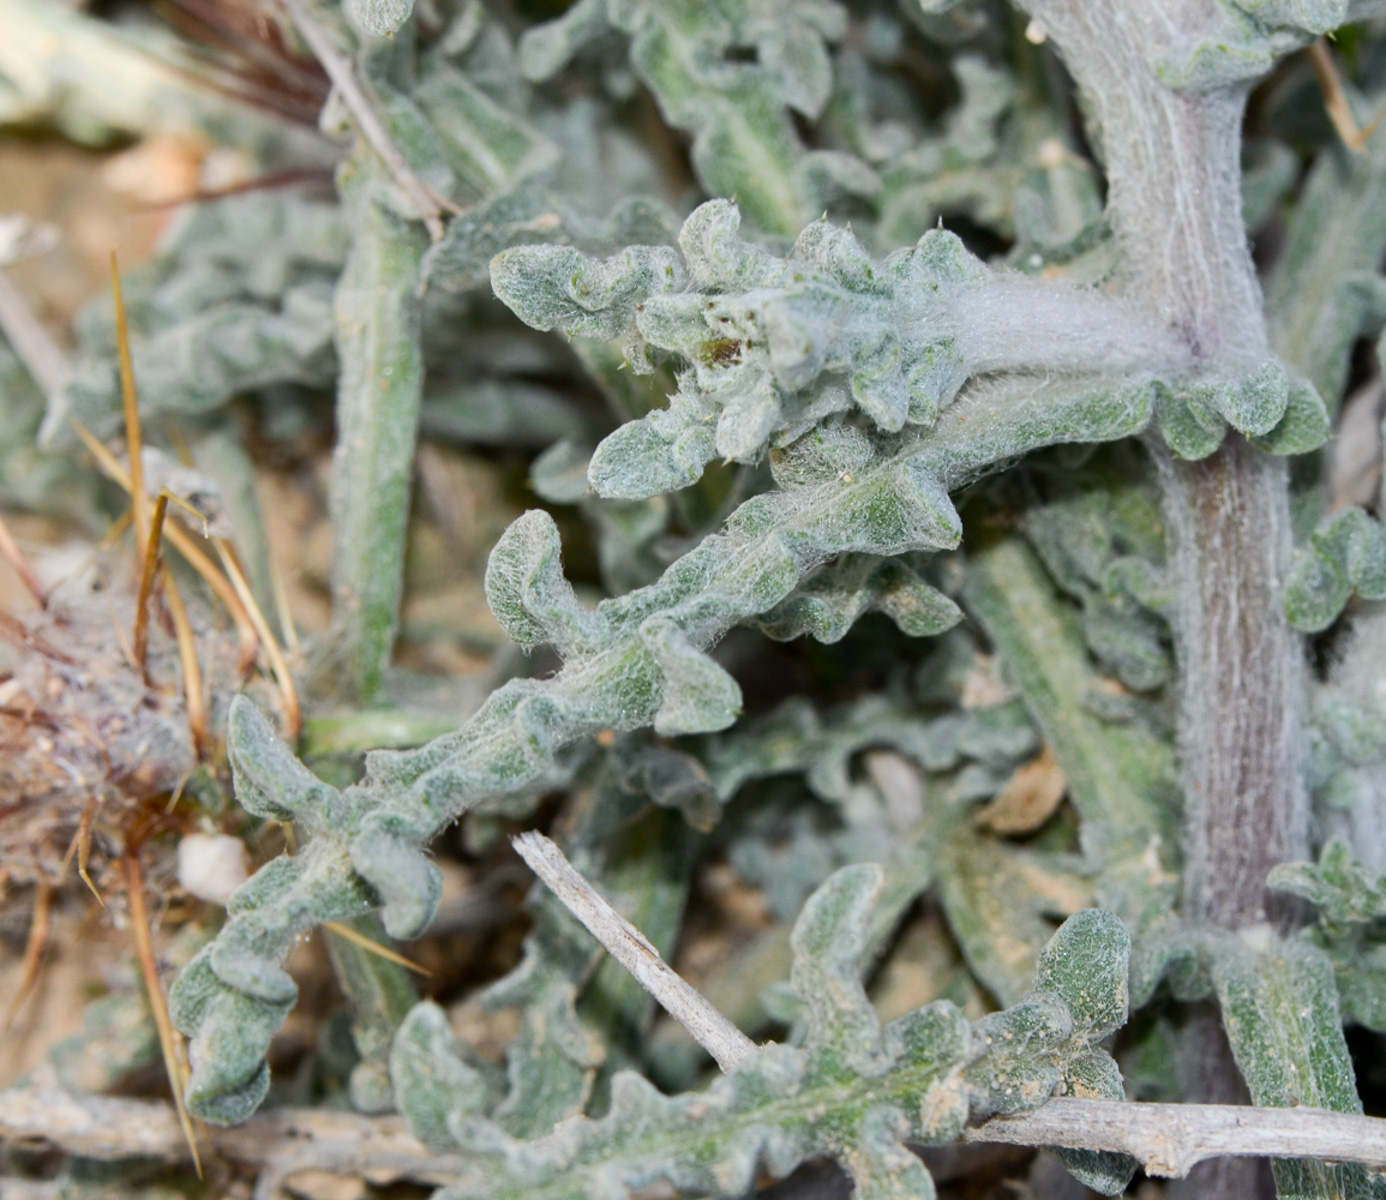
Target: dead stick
x=343, y=75
x=1168, y=1139
x=710, y=1029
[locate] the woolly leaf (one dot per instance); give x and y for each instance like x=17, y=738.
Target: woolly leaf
x=1254, y=403
x=1346, y=553
x=378, y=18
x=1342, y=889
x=1351, y=899
x=370, y=848
x=828, y=938
x=1188, y=424
x=1305, y=425
x=769, y=342
x=490, y=149
x=558, y=287
x=196, y=365
x=270, y=782
x=698, y=695
x=830, y=603
x=1096, y=1076
x=1085, y=965
x=744, y=141
x=528, y=592
x=552, y=1062
x=1280, y=1010
x=431, y=1079
x=379, y=341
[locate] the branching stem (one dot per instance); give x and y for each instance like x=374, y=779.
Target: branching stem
x=1170, y=1139
x=1174, y=202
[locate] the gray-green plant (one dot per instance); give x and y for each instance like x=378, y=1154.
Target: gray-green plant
x=926, y=320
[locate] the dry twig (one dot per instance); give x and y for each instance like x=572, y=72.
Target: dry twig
x=1168, y=1139
x=343, y=76
x=709, y=1028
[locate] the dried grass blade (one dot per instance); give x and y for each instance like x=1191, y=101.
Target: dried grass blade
x=130, y=400
x=169, y=1041
x=193, y=701
x=81, y=846
x=360, y=939
x=182, y=541
x=288, y=694
x=33, y=950
x=149, y=568
x=9, y=548
x=1335, y=100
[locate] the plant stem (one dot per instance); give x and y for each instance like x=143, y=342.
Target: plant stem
x=1174, y=203
x=1242, y=681
x=378, y=395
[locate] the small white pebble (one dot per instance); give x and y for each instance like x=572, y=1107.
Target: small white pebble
x=211, y=867
x=1035, y=32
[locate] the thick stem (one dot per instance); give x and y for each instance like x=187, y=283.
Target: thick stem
x=1242, y=682
x=1174, y=203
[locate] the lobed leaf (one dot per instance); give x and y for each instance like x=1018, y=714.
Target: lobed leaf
x=1346, y=553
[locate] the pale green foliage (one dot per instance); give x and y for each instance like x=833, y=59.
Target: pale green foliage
x=1346, y=554
x=1326, y=289
x=378, y=18
x=633, y=661
x=379, y=388
x=1351, y=903
x=380, y=993
x=745, y=143
x=855, y=1089
x=239, y=299
x=1283, y=1020
x=806, y=376
x=776, y=346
